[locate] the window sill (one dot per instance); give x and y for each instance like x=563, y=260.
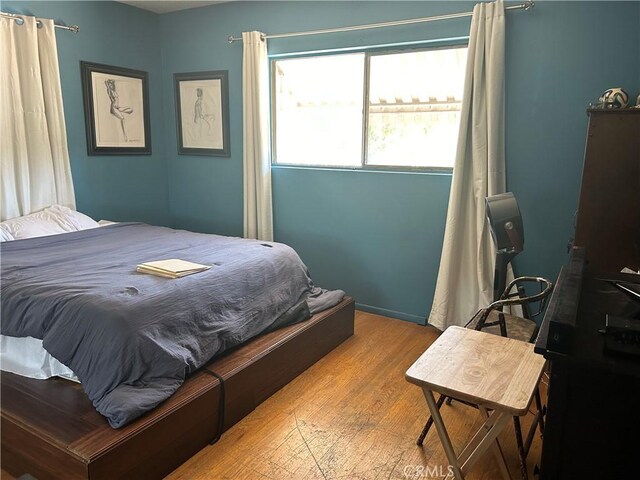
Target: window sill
x=369, y=169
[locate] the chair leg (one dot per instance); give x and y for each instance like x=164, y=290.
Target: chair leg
x=521, y=452
x=540, y=408
x=427, y=425
x=537, y=424
x=503, y=325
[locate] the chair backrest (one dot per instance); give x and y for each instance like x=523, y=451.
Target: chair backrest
x=516, y=290
x=514, y=295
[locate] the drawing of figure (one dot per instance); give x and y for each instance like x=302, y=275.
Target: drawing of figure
x=116, y=110
x=199, y=113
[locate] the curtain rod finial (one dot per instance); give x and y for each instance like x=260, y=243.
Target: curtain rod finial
x=230, y=39
x=529, y=5
x=74, y=28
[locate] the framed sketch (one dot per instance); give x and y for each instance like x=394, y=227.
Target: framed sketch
x=202, y=110
x=116, y=110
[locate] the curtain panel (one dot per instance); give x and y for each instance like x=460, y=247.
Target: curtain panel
x=258, y=215
x=465, y=278
x=33, y=141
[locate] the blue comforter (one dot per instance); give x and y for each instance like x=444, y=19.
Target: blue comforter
x=131, y=338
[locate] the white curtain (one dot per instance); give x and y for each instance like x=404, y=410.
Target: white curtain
x=258, y=215
x=33, y=139
x=465, y=279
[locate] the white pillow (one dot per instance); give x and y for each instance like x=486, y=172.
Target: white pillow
x=78, y=221
x=104, y=223
x=50, y=221
x=5, y=236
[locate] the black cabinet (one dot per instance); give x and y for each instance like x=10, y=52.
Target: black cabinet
x=593, y=416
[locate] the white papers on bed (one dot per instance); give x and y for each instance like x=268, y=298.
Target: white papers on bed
x=171, y=268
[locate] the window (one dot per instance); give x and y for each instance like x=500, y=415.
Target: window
x=398, y=109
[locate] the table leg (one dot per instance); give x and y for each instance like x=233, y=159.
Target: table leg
x=497, y=450
x=442, y=433
x=477, y=438
x=498, y=423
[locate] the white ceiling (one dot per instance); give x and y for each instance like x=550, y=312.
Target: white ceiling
x=166, y=6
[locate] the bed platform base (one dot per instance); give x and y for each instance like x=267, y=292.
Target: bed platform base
x=51, y=431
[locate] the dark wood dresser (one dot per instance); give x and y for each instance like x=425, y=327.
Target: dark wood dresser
x=593, y=416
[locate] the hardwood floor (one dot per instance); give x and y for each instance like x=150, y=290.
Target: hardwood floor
x=350, y=416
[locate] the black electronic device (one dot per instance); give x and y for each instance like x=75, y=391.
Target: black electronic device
x=505, y=221
x=507, y=231
x=622, y=336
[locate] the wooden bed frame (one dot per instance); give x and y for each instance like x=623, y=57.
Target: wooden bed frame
x=51, y=430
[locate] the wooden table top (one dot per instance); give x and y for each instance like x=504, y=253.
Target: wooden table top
x=481, y=368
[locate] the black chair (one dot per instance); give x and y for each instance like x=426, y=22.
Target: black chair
x=493, y=319
x=508, y=234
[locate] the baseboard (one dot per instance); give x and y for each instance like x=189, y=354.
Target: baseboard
x=392, y=313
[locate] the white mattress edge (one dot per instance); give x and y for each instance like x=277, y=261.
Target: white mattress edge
x=27, y=357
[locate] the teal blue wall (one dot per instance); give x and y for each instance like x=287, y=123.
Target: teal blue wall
x=376, y=235
x=111, y=187
x=379, y=235
x=560, y=57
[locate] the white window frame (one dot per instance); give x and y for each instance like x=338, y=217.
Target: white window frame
x=368, y=53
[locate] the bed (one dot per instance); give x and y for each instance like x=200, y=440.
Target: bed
x=153, y=369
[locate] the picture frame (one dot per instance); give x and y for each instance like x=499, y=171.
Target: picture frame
x=116, y=110
x=202, y=113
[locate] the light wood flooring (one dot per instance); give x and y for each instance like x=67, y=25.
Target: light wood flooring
x=350, y=416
